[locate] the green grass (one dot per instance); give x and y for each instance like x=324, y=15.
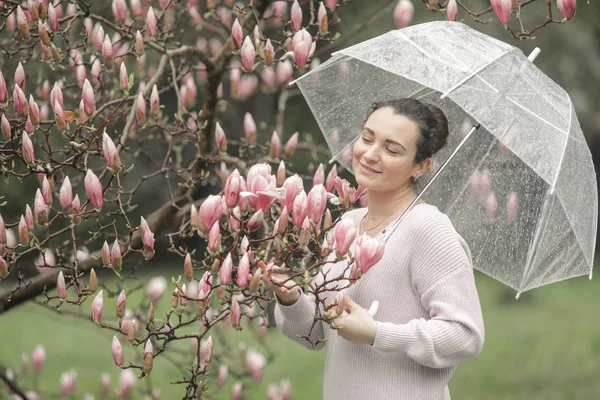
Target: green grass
x=544, y=346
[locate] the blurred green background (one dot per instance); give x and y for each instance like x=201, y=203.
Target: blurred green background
x=546, y=345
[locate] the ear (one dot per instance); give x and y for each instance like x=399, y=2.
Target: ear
x=422, y=168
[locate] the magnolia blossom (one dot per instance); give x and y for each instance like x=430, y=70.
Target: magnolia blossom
x=503, y=9
x=156, y=287
x=97, y=306
x=403, y=13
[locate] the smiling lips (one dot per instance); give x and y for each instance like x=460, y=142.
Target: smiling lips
x=368, y=168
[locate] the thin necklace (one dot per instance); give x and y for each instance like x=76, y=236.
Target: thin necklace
x=370, y=229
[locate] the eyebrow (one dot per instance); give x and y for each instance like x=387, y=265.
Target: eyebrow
x=386, y=140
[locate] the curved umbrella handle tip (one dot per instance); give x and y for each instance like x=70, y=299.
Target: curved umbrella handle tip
x=374, y=307
x=534, y=54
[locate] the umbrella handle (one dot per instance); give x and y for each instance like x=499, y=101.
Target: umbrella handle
x=534, y=54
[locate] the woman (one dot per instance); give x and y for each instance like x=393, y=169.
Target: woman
x=429, y=317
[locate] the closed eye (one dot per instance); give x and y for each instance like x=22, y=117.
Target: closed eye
x=390, y=151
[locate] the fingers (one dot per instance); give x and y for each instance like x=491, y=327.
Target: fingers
x=340, y=303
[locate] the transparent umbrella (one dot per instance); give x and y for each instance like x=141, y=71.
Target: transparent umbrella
x=516, y=178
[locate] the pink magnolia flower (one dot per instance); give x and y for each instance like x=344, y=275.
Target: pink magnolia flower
x=275, y=148
x=345, y=233
x=220, y=137
x=451, y=10
x=269, y=54
x=296, y=16
x=93, y=188
x=3, y=91
x=403, y=13
x=136, y=8
x=210, y=212
x=223, y=373
x=256, y=221
x=319, y=177
x=248, y=54
x=302, y=47
x=61, y=286
x=19, y=77
x=139, y=44
x=331, y=4
x=255, y=363
x=226, y=270
x=214, y=238
x=156, y=287
x=123, y=77
x=29, y=217
x=89, y=100
x=232, y=189
x=3, y=268
x=97, y=306
x=291, y=144
x=34, y=111
x=115, y=255
x=140, y=110
x=23, y=231
x=110, y=151
x=56, y=95
x=20, y=101
x=206, y=349
x=66, y=195
x=236, y=392
x=53, y=17
x=117, y=351
x=237, y=34
x=68, y=380
x=329, y=182
x=39, y=357
x=27, y=149
x=5, y=126
x=121, y=303
x=368, y=252
x=151, y=22
x=205, y=286
x=106, y=259
x=148, y=355
x=39, y=208
x=503, y=9
x=154, y=101
x=299, y=209
x=249, y=127
x=243, y=272
x=119, y=9
x=316, y=203
x=322, y=18
x=107, y=52
x=147, y=239
x=235, y=313
x=566, y=8
x=292, y=186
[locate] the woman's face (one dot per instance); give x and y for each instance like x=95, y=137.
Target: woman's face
x=384, y=154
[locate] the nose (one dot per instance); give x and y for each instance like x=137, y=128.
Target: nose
x=372, y=154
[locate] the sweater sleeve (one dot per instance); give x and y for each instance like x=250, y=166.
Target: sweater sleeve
x=297, y=319
x=442, y=276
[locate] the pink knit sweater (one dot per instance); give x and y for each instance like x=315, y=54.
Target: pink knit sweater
x=429, y=317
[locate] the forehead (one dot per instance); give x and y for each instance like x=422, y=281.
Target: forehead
x=388, y=125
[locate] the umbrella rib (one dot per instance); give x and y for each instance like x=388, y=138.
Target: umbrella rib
x=537, y=116
x=562, y=155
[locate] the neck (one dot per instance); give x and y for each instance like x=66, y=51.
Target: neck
x=381, y=204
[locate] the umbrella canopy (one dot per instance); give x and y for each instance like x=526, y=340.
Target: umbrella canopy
x=521, y=189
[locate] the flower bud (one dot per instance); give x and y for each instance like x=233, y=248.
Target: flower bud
x=93, y=189
x=140, y=109
x=151, y=22
x=97, y=306
x=117, y=351
x=148, y=356
x=121, y=303
x=139, y=44
x=115, y=256
x=248, y=54
x=93, y=280
x=291, y=144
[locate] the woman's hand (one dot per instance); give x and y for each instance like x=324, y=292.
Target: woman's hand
x=286, y=290
x=358, y=325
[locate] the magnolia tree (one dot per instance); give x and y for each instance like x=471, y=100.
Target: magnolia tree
x=81, y=133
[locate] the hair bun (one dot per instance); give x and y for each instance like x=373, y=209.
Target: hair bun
x=441, y=131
